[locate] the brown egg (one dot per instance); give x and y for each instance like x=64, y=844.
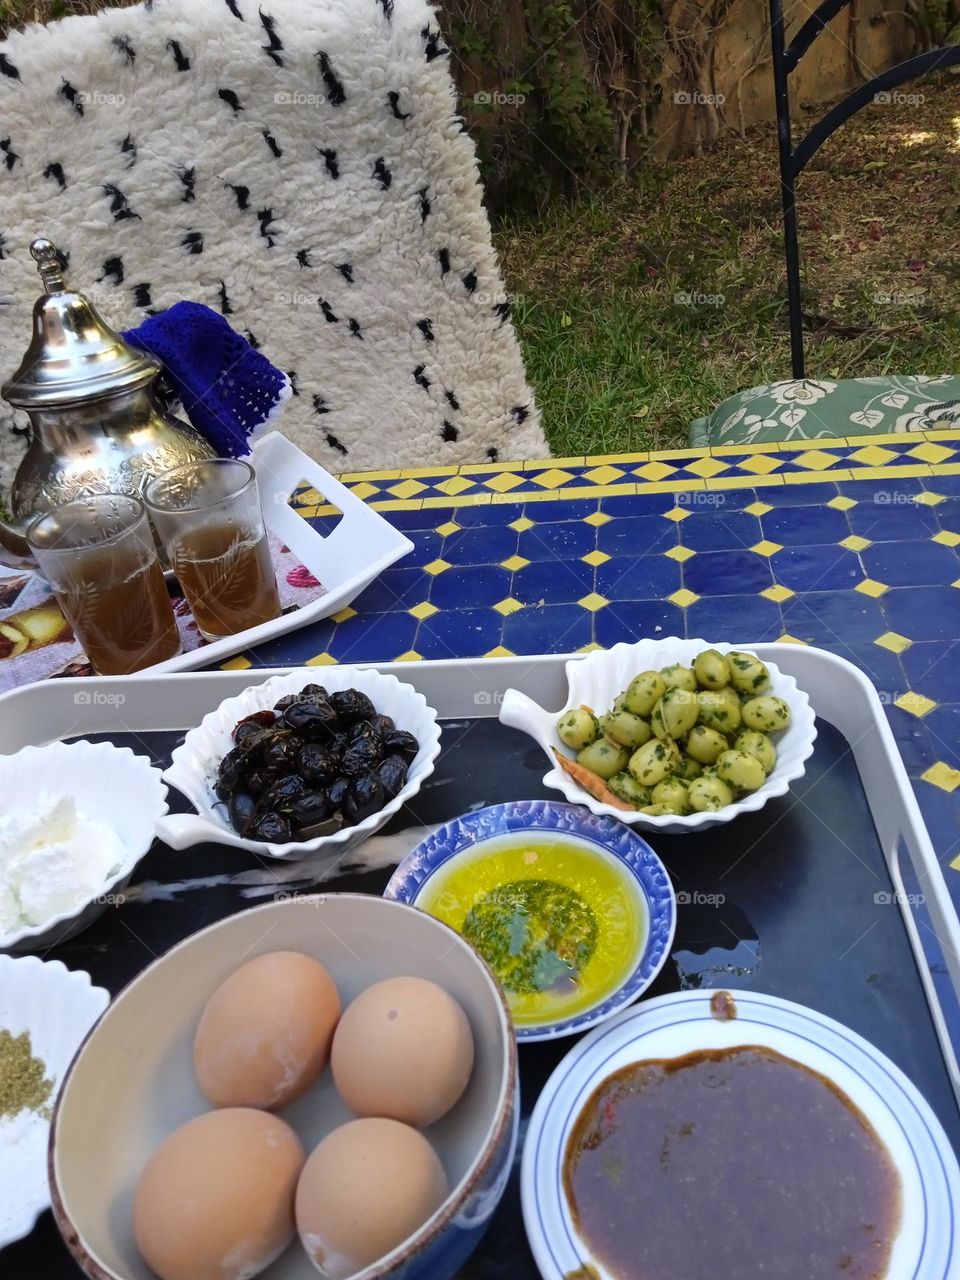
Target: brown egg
x=264, y=1036
x=368, y=1186
x=403, y=1049
x=215, y=1201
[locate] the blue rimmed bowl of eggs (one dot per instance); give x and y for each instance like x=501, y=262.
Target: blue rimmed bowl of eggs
x=326, y=1084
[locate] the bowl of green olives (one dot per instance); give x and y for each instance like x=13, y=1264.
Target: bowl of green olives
x=673, y=735
x=292, y=768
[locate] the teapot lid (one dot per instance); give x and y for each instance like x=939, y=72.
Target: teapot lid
x=73, y=355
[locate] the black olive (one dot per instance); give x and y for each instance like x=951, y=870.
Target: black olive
x=274, y=828
x=317, y=764
x=258, y=779
x=280, y=795
x=280, y=752
x=392, y=775
x=401, y=743
x=364, y=796
x=315, y=720
x=251, y=724
x=230, y=773
x=243, y=811
x=309, y=808
x=382, y=725
x=336, y=792
x=313, y=691
x=351, y=704
x=286, y=701
x=360, y=757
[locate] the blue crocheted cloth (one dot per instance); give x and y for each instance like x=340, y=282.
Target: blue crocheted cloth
x=228, y=390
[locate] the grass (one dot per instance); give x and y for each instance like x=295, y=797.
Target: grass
x=619, y=362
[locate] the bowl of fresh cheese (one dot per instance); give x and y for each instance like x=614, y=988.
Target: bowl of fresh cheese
x=77, y=819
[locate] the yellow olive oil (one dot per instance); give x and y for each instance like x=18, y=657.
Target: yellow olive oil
x=561, y=922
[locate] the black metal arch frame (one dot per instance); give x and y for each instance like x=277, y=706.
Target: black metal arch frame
x=793, y=160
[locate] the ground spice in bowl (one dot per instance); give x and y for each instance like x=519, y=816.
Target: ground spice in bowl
x=24, y=1085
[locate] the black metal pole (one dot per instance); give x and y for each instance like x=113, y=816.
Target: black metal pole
x=787, y=185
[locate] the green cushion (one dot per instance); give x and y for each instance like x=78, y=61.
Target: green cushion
x=813, y=408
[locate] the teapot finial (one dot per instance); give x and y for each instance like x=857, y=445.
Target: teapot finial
x=47, y=257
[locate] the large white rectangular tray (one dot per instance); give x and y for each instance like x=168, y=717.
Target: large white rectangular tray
x=459, y=689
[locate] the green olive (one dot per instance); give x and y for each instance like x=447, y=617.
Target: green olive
x=720, y=709
x=689, y=768
x=672, y=792
x=707, y=794
x=618, y=703
x=678, y=677
x=656, y=722
x=711, y=669
x=660, y=811
x=578, y=728
x=748, y=674
x=644, y=692
x=627, y=729
x=741, y=771
x=654, y=761
x=603, y=758
x=768, y=714
x=625, y=786
x=759, y=746
x=705, y=744
x=679, y=710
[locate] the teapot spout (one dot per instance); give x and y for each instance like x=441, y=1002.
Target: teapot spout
x=15, y=551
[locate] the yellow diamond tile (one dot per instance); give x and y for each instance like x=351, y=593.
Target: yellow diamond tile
x=344, y=615
x=842, y=503
x=787, y=638
x=872, y=456
x=707, y=467
x=592, y=647
x=507, y=606
x=604, y=475
x=815, y=460
x=760, y=464
x=683, y=598
x=655, y=471
x=503, y=482
x=593, y=602
x=406, y=488
x=766, y=548
x=365, y=490
x=552, y=479
x=307, y=498
x=321, y=660
x=855, y=542
x=236, y=664
x=454, y=486
x=928, y=452
x=446, y=529
x=942, y=776
x=423, y=610
x=522, y=525
x=916, y=703
x=956, y=584
x=929, y=499
x=597, y=519
x=777, y=593
x=501, y=651
x=437, y=566
x=758, y=508
x=676, y=514
x=514, y=563
x=870, y=587
x=411, y=655
x=946, y=538
x=595, y=558
x=679, y=554
x=893, y=641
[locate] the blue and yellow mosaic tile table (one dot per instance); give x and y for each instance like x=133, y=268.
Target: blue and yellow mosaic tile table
x=852, y=546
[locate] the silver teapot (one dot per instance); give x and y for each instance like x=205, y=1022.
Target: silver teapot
x=96, y=424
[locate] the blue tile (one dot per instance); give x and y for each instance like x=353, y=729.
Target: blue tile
x=488, y=544
x=466, y=633
x=637, y=536
x=426, y=546
x=552, y=582
x=943, y=484
x=427, y=518
x=881, y=667
x=639, y=504
x=374, y=638
x=933, y=667
x=710, y=531
x=643, y=578
x=632, y=620
x=324, y=525
x=566, y=540
x=823, y=568
x=805, y=526
x=565, y=509
x=295, y=647
x=835, y=620
x=560, y=628
x=893, y=522
x=725, y=500
x=883, y=492
x=913, y=741
x=727, y=573
x=941, y=814
x=943, y=725
x=799, y=495
x=497, y=514
x=911, y=563
x=735, y=619
x=394, y=589
x=923, y=613
x=470, y=588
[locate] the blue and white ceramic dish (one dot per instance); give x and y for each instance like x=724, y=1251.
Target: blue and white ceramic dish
x=643, y=874
x=927, y=1245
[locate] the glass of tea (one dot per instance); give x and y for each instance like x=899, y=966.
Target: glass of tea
x=209, y=519
x=99, y=556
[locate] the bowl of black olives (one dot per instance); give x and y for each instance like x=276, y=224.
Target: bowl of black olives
x=293, y=767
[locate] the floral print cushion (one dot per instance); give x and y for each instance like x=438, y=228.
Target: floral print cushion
x=813, y=408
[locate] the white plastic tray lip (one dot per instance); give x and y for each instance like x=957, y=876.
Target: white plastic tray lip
x=473, y=689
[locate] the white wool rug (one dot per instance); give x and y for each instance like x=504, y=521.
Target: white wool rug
x=300, y=166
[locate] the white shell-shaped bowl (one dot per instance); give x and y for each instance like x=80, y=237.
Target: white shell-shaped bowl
x=194, y=764
x=109, y=784
x=57, y=1008
x=596, y=680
